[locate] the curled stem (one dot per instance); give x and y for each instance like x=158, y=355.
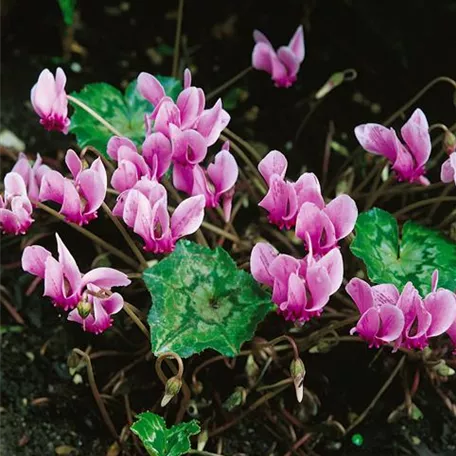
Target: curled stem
x=96, y=393
x=93, y=237
x=165, y=356
x=290, y=340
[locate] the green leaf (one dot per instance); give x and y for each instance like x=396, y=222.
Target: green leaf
x=124, y=112
x=67, y=7
x=201, y=300
x=413, y=257
x=160, y=441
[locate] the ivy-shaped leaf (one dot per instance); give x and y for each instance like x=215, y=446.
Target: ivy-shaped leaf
x=124, y=112
x=158, y=440
x=412, y=257
x=201, y=300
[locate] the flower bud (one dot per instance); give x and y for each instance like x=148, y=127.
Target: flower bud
x=236, y=399
x=449, y=142
x=84, y=309
x=172, y=387
x=298, y=372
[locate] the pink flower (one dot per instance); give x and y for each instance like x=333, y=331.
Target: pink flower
x=94, y=312
x=81, y=197
x=448, y=171
x=284, y=198
x=216, y=184
x=451, y=331
x=324, y=227
x=15, y=206
x=405, y=319
x=301, y=288
x=50, y=102
x=32, y=175
x=63, y=282
x=425, y=318
x=187, y=113
x=408, y=160
x=145, y=209
x=283, y=65
x=381, y=321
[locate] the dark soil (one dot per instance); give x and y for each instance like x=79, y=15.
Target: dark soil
x=396, y=47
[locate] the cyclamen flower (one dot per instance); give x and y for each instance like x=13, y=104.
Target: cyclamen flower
x=81, y=197
x=186, y=113
x=50, y=102
x=216, y=184
x=145, y=209
x=405, y=319
x=381, y=321
x=152, y=164
x=301, y=288
x=69, y=289
x=408, y=159
x=15, y=206
x=448, y=171
x=283, y=65
x=323, y=227
x=32, y=175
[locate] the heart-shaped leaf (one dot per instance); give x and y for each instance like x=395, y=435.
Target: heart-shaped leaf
x=201, y=300
x=412, y=257
x=125, y=112
x=158, y=440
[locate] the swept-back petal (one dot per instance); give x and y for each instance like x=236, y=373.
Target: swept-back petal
x=296, y=44
x=361, y=293
x=261, y=257
x=273, y=163
x=416, y=135
x=392, y=323
x=34, y=260
x=73, y=163
x=150, y=88
x=441, y=304
x=223, y=172
x=188, y=216
x=105, y=278
x=342, y=212
x=377, y=139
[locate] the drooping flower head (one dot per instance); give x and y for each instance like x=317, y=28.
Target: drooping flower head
x=408, y=159
x=15, y=206
x=88, y=294
x=283, y=65
x=32, y=175
x=448, y=171
x=145, y=209
x=80, y=197
x=284, y=198
x=49, y=100
x=301, y=288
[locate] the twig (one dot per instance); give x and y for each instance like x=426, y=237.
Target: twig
x=180, y=14
x=228, y=83
x=96, y=394
x=129, y=310
x=418, y=204
x=385, y=386
x=93, y=237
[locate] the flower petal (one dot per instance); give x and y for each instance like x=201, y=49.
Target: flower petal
x=261, y=257
x=188, y=216
x=392, y=323
x=273, y=163
x=416, y=134
x=377, y=139
x=296, y=44
x=441, y=304
x=223, y=172
x=34, y=260
x=105, y=278
x=361, y=293
x=342, y=212
x=73, y=163
x=150, y=88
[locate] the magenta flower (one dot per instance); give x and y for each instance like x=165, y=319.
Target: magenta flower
x=301, y=288
x=15, y=206
x=32, y=175
x=448, y=171
x=283, y=65
x=425, y=318
x=324, y=227
x=216, y=184
x=80, y=197
x=408, y=159
x=94, y=312
x=284, y=198
x=50, y=102
x=187, y=113
x=381, y=321
x=145, y=209
x=451, y=331
x=63, y=282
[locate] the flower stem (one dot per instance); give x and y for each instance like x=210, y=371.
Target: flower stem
x=244, y=144
x=418, y=204
x=228, y=83
x=93, y=237
x=94, y=114
x=96, y=394
x=180, y=14
x=126, y=236
x=129, y=310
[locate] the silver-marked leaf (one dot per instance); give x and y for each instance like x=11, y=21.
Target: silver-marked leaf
x=201, y=300
x=158, y=440
x=412, y=257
